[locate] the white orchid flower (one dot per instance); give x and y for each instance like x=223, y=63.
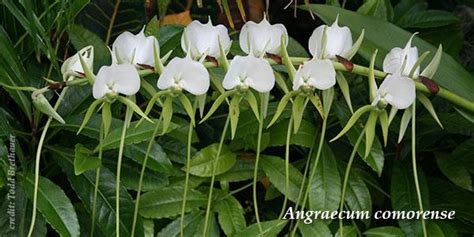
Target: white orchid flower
x=316, y=73
x=249, y=71
x=203, y=39
x=186, y=74
x=338, y=41
x=72, y=66
x=134, y=49
x=397, y=90
x=116, y=79
x=262, y=37
x=394, y=59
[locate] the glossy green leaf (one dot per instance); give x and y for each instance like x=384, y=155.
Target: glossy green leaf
x=274, y=168
x=242, y=170
x=83, y=185
x=325, y=191
x=84, y=160
x=54, y=205
x=270, y=229
x=203, y=162
x=157, y=159
x=304, y=137
x=167, y=202
x=315, y=229
x=82, y=37
x=427, y=19
x=357, y=194
x=230, y=215
x=455, y=170
x=384, y=231
x=191, y=223
x=347, y=231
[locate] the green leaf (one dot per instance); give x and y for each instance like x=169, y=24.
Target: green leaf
x=203, y=162
x=315, y=229
x=404, y=198
x=455, y=170
x=381, y=9
x=54, y=205
x=384, y=231
x=167, y=202
x=385, y=36
x=81, y=37
x=274, y=168
x=83, y=186
x=325, y=191
x=157, y=158
x=427, y=19
x=83, y=160
x=304, y=137
x=191, y=223
x=357, y=194
x=270, y=229
x=230, y=215
x=242, y=170
x=347, y=231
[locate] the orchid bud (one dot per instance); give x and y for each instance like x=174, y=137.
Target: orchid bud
x=43, y=105
x=338, y=41
x=134, y=49
x=203, y=39
x=72, y=66
x=249, y=71
x=186, y=74
x=394, y=59
x=262, y=37
x=316, y=73
x=116, y=79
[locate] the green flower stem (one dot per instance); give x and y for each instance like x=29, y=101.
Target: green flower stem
x=364, y=71
x=37, y=161
x=97, y=179
x=186, y=181
x=142, y=172
x=313, y=170
x=128, y=118
x=287, y=166
x=415, y=172
x=213, y=175
x=257, y=159
x=346, y=176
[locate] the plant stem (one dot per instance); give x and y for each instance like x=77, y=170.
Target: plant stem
x=97, y=179
x=128, y=117
x=257, y=159
x=213, y=175
x=415, y=172
x=346, y=176
x=287, y=166
x=142, y=172
x=37, y=161
x=186, y=181
x=313, y=170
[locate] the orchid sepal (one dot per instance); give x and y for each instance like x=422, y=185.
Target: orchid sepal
x=286, y=58
x=234, y=113
x=355, y=116
x=89, y=113
x=281, y=106
x=188, y=107
x=167, y=113
x=431, y=69
x=87, y=71
x=217, y=103
x=429, y=106
x=299, y=105
x=134, y=107
x=383, y=119
x=355, y=47
x=370, y=132
x=405, y=121
x=106, y=117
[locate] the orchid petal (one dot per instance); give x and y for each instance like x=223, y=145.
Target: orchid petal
x=394, y=59
x=249, y=71
x=204, y=39
x=134, y=49
x=339, y=41
x=184, y=73
x=117, y=78
x=261, y=37
x=316, y=73
x=397, y=90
